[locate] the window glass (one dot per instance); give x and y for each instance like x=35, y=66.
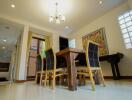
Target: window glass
x=125, y=22
x=125, y=35
x=72, y=43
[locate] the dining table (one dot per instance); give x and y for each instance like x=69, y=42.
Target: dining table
x=70, y=55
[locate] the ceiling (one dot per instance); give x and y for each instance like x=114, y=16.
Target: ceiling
x=10, y=33
x=80, y=13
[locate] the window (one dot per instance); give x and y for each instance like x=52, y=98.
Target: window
x=125, y=22
x=72, y=43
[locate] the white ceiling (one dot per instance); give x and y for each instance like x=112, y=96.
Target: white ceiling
x=80, y=13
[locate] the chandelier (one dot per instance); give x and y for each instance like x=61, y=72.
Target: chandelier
x=57, y=16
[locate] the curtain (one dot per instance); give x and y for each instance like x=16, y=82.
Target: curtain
x=12, y=66
x=47, y=42
x=28, y=46
x=15, y=70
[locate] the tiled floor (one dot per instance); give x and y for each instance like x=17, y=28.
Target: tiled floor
x=115, y=90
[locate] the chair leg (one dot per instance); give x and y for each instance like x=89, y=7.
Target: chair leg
x=41, y=76
x=45, y=79
x=80, y=81
x=36, y=78
x=53, y=83
x=92, y=80
x=62, y=80
x=84, y=79
x=102, y=77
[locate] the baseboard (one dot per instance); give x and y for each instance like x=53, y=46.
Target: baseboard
x=20, y=81
x=126, y=77
x=30, y=78
x=122, y=77
x=108, y=77
x=111, y=77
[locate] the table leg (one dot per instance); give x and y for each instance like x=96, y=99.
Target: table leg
x=72, y=73
x=113, y=71
x=117, y=71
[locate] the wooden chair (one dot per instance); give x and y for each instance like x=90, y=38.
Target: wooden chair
x=51, y=70
x=40, y=69
x=92, y=63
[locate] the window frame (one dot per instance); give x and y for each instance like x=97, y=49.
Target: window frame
x=127, y=28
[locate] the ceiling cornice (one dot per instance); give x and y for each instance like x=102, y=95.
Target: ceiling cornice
x=38, y=28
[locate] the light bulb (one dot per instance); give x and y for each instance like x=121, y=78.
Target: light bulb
x=66, y=27
x=3, y=47
x=100, y=2
x=51, y=19
x=57, y=21
x=63, y=18
x=13, y=5
x=4, y=40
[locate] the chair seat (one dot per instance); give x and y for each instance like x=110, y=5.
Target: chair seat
x=86, y=68
x=39, y=72
x=57, y=70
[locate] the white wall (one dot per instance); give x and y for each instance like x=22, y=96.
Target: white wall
x=130, y=3
x=55, y=42
x=113, y=34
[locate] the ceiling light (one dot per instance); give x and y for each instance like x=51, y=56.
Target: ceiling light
x=101, y=2
x=12, y=5
x=4, y=40
x=67, y=27
x=3, y=47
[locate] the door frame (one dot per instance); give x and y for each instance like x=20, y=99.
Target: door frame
x=38, y=44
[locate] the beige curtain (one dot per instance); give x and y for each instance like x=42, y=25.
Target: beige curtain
x=28, y=46
x=47, y=42
x=12, y=66
x=17, y=59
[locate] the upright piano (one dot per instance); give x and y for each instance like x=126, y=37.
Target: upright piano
x=113, y=59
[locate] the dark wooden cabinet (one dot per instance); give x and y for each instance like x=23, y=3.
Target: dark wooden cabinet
x=63, y=43
x=4, y=66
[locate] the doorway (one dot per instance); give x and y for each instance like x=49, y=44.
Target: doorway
x=37, y=47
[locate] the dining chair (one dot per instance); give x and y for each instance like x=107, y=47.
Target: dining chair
x=92, y=63
x=40, y=69
x=51, y=69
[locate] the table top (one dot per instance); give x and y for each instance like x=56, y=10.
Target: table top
x=75, y=50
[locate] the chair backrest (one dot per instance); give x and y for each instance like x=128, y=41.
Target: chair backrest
x=39, y=63
x=50, y=60
x=92, y=54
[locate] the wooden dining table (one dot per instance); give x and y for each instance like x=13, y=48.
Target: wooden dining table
x=70, y=55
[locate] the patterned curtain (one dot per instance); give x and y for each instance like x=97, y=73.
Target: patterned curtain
x=98, y=37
